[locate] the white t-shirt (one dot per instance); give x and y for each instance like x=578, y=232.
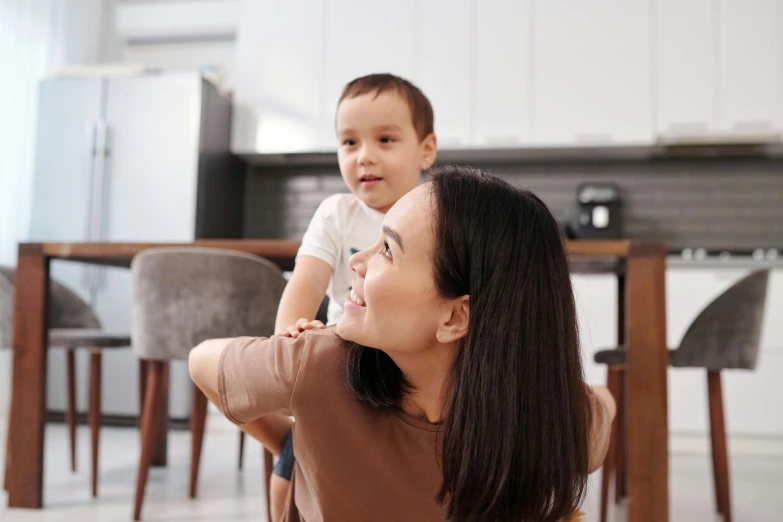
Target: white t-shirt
x=342, y=225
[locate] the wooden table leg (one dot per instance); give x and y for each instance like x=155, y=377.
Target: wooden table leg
x=621, y=459
x=25, y=445
x=648, y=357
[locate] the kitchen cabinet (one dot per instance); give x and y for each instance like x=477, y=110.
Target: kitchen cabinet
x=504, y=32
x=362, y=39
x=717, y=70
x=444, y=68
x=685, y=68
x=279, y=84
x=595, y=296
x=592, y=65
x=749, y=67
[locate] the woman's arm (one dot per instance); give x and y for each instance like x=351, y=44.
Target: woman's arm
x=203, y=363
x=603, y=412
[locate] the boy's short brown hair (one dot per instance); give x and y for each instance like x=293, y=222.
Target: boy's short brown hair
x=420, y=106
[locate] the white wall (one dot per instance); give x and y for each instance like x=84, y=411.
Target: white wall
x=36, y=38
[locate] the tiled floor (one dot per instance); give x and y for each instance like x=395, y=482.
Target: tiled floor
x=225, y=494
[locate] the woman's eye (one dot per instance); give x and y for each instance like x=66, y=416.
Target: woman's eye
x=386, y=251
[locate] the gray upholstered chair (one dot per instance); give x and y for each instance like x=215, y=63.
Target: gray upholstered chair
x=72, y=324
x=724, y=336
x=181, y=297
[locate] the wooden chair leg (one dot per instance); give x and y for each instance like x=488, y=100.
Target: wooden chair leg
x=70, y=401
x=95, y=412
x=268, y=465
x=160, y=455
x=621, y=456
x=613, y=376
x=149, y=429
x=720, y=458
x=241, y=448
x=198, y=419
x=142, y=386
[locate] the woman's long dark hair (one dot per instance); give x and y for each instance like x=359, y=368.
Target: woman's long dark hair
x=517, y=418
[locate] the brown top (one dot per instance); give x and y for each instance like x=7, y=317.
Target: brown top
x=353, y=462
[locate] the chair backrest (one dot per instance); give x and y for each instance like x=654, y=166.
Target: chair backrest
x=183, y=296
x=66, y=309
x=727, y=332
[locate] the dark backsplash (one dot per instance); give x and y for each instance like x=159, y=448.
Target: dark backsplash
x=729, y=203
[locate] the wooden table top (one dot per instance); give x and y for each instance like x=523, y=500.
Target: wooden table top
x=587, y=256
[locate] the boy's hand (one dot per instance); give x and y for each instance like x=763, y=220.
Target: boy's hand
x=300, y=326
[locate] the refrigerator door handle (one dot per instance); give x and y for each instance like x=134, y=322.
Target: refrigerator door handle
x=87, y=270
x=98, y=197
x=100, y=227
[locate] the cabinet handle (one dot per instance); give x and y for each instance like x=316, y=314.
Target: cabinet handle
x=502, y=140
x=687, y=128
x=760, y=127
x=594, y=138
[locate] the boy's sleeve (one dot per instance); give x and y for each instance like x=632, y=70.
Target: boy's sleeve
x=322, y=239
x=257, y=376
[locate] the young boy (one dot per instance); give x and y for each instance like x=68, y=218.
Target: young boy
x=385, y=138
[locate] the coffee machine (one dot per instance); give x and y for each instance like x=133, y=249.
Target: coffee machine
x=598, y=212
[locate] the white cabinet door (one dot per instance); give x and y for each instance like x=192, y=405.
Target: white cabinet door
x=772, y=331
x=689, y=290
x=279, y=77
x=443, y=67
x=685, y=66
x=363, y=38
x=592, y=72
x=504, y=33
x=596, y=311
x=749, y=54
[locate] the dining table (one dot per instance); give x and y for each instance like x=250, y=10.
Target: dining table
x=640, y=267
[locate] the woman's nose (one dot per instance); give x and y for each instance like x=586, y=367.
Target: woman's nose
x=358, y=262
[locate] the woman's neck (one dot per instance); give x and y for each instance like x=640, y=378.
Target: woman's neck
x=428, y=373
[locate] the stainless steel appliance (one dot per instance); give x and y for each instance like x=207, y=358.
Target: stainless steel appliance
x=141, y=158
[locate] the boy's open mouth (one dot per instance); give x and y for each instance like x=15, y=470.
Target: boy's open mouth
x=370, y=179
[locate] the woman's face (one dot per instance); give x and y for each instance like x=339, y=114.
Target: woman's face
x=394, y=305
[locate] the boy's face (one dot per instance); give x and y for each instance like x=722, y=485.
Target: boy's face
x=380, y=155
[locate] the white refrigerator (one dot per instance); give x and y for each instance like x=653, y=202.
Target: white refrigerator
x=142, y=158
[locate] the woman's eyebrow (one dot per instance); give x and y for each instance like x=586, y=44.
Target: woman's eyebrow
x=394, y=235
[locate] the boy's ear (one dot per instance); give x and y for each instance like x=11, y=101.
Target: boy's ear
x=429, y=149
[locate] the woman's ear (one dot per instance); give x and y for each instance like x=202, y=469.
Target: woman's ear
x=429, y=150
x=455, y=325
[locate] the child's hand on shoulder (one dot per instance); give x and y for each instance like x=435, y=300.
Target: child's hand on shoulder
x=300, y=326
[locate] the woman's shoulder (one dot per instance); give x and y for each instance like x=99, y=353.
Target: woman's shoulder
x=321, y=376
x=321, y=349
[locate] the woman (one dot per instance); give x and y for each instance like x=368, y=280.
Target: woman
x=452, y=389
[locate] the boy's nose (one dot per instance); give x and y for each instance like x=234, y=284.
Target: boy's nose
x=366, y=155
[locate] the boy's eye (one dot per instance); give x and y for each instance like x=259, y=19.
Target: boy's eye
x=387, y=139
x=386, y=251
x=349, y=143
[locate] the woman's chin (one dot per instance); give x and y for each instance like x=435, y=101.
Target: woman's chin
x=344, y=329
x=348, y=329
